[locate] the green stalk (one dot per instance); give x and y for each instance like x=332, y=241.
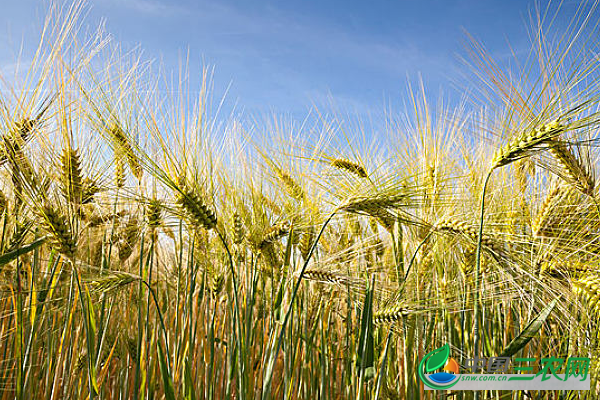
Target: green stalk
x=236, y=318
x=140, y=330
x=267, y=381
x=477, y=270
x=88, y=333
x=19, y=334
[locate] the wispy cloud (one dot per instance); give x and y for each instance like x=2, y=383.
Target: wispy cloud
x=153, y=7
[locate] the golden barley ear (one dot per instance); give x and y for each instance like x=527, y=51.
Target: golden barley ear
x=89, y=189
x=554, y=210
x=522, y=145
x=392, y=313
x=128, y=236
x=349, y=166
x=374, y=204
x=113, y=281
x=467, y=264
x=274, y=233
x=13, y=142
x=589, y=288
x=293, y=188
x=453, y=225
x=238, y=229
x=3, y=203
x=306, y=242
x=154, y=213
x=571, y=167
x=327, y=277
x=122, y=145
x=119, y=172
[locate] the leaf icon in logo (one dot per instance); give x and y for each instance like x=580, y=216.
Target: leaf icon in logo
x=437, y=358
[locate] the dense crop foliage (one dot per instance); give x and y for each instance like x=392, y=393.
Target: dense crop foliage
x=151, y=250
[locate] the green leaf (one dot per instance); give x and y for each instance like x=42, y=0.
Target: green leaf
x=277, y=310
x=366, y=347
x=288, y=249
x=529, y=332
x=12, y=255
x=166, y=376
x=189, y=381
x=398, y=249
x=437, y=358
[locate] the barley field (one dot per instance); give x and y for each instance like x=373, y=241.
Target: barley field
x=153, y=248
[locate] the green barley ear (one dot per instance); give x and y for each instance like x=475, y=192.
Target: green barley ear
x=458, y=227
x=18, y=236
x=154, y=214
x=132, y=348
x=238, y=229
x=349, y=166
x=82, y=361
x=326, y=277
x=388, y=393
x=523, y=145
x=71, y=175
x=391, y=314
x=292, y=187
x=89, y=188
x=572, y=169
x=589, y=288
x=123, y=145
x=119, y=172
x=115, y=280
x=128, y=238
x=3, y=203
x=217, y=284
x=306, y=242
x=195, y=209
x=57, y=226
x=274, y=233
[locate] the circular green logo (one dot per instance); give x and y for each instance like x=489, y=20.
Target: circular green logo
x=434, y=360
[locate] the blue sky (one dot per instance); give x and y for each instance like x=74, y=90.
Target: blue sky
x=285, y=56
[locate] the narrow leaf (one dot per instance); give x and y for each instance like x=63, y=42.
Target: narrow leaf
x=166, y=376
x=12, y=255
x=529, y=332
